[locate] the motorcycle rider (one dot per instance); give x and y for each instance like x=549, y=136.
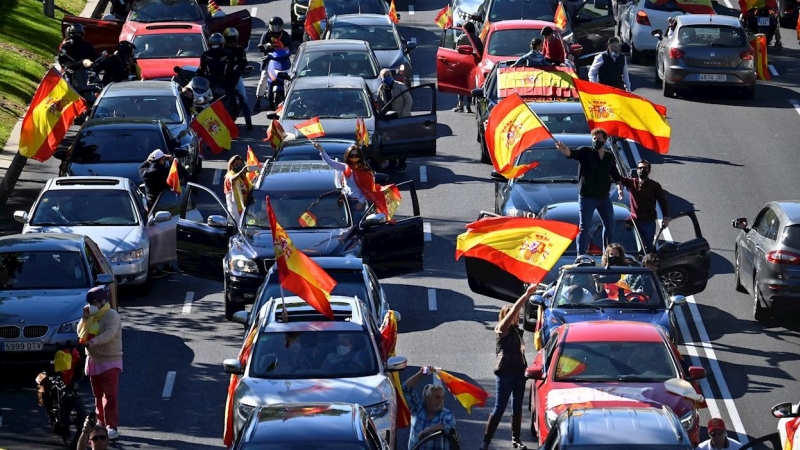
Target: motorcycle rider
x=119, y=66
x=217, y=65
x=274, y=38
x=752, y=5
x=231, y=36
x=75, y=48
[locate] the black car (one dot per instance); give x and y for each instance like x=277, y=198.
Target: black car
x=208, y=236
x=299, y=8
x=116, y=147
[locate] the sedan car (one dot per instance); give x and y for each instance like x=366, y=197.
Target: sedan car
x=704, y=51
x=612, y=364
x=299, y=8
x=161, y=47
x=392, y=51
x=105, y=33
x=767, y=258
x=638, y=19
x=337, y=57
x=39, y=314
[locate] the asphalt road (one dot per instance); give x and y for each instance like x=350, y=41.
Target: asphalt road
x=727, y=158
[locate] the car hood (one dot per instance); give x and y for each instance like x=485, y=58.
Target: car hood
x=334, y=128
x=312, y=243
x=389, y=59
x=535, y=196
x=111, y=240
x=562, y=316
x=603, y=395
x=129, y=170
x=50, y=307
x=364, y=391
x=164, y=67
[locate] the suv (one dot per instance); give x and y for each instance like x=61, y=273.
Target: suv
x=298, y=356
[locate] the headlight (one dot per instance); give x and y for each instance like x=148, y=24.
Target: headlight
x=550, y=418
x=134, y=255
x=242, y=264
x=687, y=420
x=245, y=410
x=378, y=410
x=402, y=68
x=69, y=327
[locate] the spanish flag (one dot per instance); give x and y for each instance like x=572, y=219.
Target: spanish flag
x=526, y=248
x=388, y=341
x=444, y=19
x=213, y=7
x=485, y=30
x=759, y=45
x=311, y=128
x=512, y=128
x=466, y=393
x=791, y=426
x=625, y=115
x=299, y=273
x=275, y=134
x=252, y=160
x=230, y=408
x=393, y=13
x=173, y=179
x=314, y=17
x=362, y=135
x=307, y=219
x=216, y=127
x=560, y=18
x=568, y=367
x=554, y=83
x=53, y=108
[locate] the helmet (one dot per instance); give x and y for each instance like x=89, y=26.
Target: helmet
x=584, y=260
x=231, y=36
x=125, y=48
x=215, y=41
x=76, y=31
x=275, y=25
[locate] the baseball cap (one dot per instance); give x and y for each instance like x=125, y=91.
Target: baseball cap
x=157, y=154
x=97, y=294
x=716, y=424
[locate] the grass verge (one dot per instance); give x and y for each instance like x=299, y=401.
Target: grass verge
x=28, y=42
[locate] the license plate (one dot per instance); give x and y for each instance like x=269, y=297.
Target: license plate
x=712, y=77
x=763, y=21
x=22, y=346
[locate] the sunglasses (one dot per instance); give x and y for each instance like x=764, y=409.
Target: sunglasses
x=643, y=167
x=353, y=157
x=98, y=438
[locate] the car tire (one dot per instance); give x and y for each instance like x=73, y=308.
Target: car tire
x=674, y=279
x=636, y=55
x=667, y=89
x=230, y=307
x=760, y=311
x=656, y=78
x=736, y=271
x=484, y=157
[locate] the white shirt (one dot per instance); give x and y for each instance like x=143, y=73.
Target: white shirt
x=598, y=61
x=733, y=444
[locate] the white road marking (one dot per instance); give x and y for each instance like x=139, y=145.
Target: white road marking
x=412, y=40
x=217, y=176
x=410, y=10
x=796, y=105
x=426, y=229
x=415, y=80
x=169, y=383
x=432, y=299
x=772, y=69
x=187, y=303
x=713, y=409
x=423, y=174
x=253, y=11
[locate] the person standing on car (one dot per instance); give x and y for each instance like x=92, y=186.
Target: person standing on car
x=644, y=194
x=119, y=66
x=237, y=187
x=218, y=64
x=100, y=330
x=597, y=169
x=553, y=50
x=610, y=67
x=231, y=36
x=428, y=414
x=402, y=103
x=274, y=38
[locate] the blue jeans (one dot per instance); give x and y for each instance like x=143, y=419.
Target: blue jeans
x=243, y=105
x=604, y=207
x=511, y=384
x=647, y=229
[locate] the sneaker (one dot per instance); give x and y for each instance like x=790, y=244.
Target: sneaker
x=157, y=273
x=112, y=434
x=458, y=109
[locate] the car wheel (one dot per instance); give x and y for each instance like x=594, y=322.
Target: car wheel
x=636, y=55
x=736, y=275
x=230, y=307
x=485, y=159
x=674, y=279
x=760, y=311
x=667, y=88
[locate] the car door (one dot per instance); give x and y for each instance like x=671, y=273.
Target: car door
x=102, y=34
x=240, y=20
x=752, y=239
x=379, y=303
x=162, y=234
x=685, y=255
x=200, y=246
x=413, y=136
x=767, y=238
x=454, y=70
x=592, y=27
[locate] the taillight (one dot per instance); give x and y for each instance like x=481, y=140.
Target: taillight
x=746, y=55
x=642, y=19
x=783, y=257
x=676, y=53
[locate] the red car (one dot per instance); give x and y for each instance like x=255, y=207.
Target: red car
x=459, y=69
x=608, y=364
x=105, y=34
x=162, y=46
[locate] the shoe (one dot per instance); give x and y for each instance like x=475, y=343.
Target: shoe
x=169, y=269
x=112, y=434
x=458, y=109
x=157, y=273
x=257, y=106
x=469, y=110
x=778, y=45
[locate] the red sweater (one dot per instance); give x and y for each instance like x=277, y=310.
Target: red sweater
x=554, y=51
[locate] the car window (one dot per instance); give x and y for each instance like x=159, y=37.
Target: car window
x=101, y=146
x=348, y=284
x=347, y=63
x=615, y=361
x=164, y=108
x=765, y=224
x=552, y=166
x=565, y=123
x=148, y=11
x=714, y=36
x=380, y=37
x=200, y=205
x=168, y=201
x=327, y=103
x=791, y=236
x=630, y=289
x=295, y=210
x=376, y=291
x=450, y=38
x=511, y=42
x=78, y=207
x=772, y=223
x=521, y=9
x=550, y=348
x=342, y=7
x=24, y=270
x=168, y=45
x=662, y=5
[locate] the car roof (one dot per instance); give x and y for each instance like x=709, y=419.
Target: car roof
x=41, y=242
x=600, y=269
x=347, y=312
x=570, y=140
x=556, y=107
x=568, y=212
x=612, y=331
x=335, y=44
x=327, y=143
x=121, y=122
x=142, y=88
x=170, y=27
x=705, y=19
x=336, y=422
x=362, y=19
x=522, y=24
x=791, y=208
x=88, y=183
x=630, y=426
x=335, y=81
x=297, y=175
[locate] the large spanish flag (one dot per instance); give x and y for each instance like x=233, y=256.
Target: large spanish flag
x=466, y=393
x=560, y=18
x=314, y=17
x=230, y=408
x=362, y=135
x=553, y=82
x=53, y=108
x=526, y=248
x=625, y=115
x=275, y=134
x=388, y=342
x=512, y=128
x=299, y=273
x=759, y=45
x=173, y=178
x=252, y=160
x=311, y=128
x=216, y=127
x=444, y=18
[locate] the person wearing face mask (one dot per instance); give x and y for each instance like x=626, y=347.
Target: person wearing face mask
x=345, y=357
x=397, y=93
x=100, y=330
x=597, y=169
x=644, y=195
x=610, y=67
x=237, y=187
x=428, y=414
x=607, y=286
x=154, y=171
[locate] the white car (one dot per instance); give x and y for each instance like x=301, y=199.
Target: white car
x=638, y=18
x=789, y=416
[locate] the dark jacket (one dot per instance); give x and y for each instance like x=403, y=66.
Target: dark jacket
x=595, y=174
x=77, y=51
x=266, y=38
x=218, y=67
x=241, y=59
x=611, y=72
x=154, y=177
x=115, y=69
x=644, y=196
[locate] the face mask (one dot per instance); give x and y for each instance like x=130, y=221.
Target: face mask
x=616, y=260
x=597, y=145
x=614, y=54
x=93, y=309
x=388, y=81
x=342, y=350
x=237, y=168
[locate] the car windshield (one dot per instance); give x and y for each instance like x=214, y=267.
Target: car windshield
x=164, y=108
x=313, y=354
x=342, y=7
x=521, y=9
x=380, y=37
x=100, y=146
x=511, y=42
x=72, y=208
x=791, y=236
x=628, y=289
x=165, y=11
x=564, y=123
x=615, y=361
x=42, y=270
x=347, y=63
x=299, y=210
x=553, y=166
x=332, y=103
x=169, y=45
x=709, y=35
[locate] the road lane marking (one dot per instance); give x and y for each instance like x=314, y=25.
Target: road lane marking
x=423, y=174
x=217, y=176
x=772, y=69
x=426, y=230
x=705, y=387
x=169, y=383
x=412, y=40
x=796, y=105
x=187, y=303
x=415, y=80
x=253, y=11
x=432, y=299
x=410, y=10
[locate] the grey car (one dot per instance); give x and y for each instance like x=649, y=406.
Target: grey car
x=339, y=57
x=705, y=50
x=767, y=257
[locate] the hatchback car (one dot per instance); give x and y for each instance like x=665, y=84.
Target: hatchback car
x=161, y=47
x=638, y=19
x=767, y=258
x=337, y=57
x=705, y=51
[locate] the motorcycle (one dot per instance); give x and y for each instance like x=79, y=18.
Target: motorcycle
x=278, y=65
x=184, y=76
x=195, y=91
x=59, y=395
x=80, y=76
x=762, y=21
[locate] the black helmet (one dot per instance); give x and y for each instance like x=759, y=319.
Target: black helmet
x=76, y=31
x=125, y=48
x=276, y=25
x=585, y=260
x=215, y=41
x=231, y=36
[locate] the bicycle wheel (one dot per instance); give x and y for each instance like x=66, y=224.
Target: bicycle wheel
x=73, y=414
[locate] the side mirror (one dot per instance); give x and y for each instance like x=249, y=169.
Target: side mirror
x=389, y=115
x=696, y=373
x=575, y=49
x=241, y=317
x=477, y=92
x=21, y=216
x=410, y=46
x=497, y=177
x=783, y=410
x=677, y=300
x=60, y=154
x=181, y=152
x=657, y=34
x=537, y=300
x=160, y=217
x=284, y=75
x=104, y=279
x=216, y=221
x=233, y=366
x=534, y=372
x=740, y=223
x=464, y=49
x=396, y=363
x=374, y=219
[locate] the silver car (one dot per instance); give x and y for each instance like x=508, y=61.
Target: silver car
x=705, y=50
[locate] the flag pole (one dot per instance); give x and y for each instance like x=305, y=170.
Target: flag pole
x=284, y=315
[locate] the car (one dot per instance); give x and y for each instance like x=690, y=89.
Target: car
x=620, y=427
x=301, y=149
x=766, y=258
x=129, y=237
x=788, y=425
x=337, y=57
x=299, y=8
x=704, y=51
x=105, y=33
x=117, y=146
x=340, y=101
x=639, y=19
x=464, y=11
x=612, y=363
x=39, y=314
x=391, y=50
x=286, y=426
x=153, y=100
x=208, y=237
x=269, y=377
x=162, y=46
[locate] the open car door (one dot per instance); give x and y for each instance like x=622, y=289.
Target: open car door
x=592, y=27
x=685, y=255
x=203, y=230
x=240, y=20
x=413, y=136
x=102, y=34
x=162, y=234
x=454, y=67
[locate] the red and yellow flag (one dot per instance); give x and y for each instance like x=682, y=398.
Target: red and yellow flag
x=485, y=30
x=385, y=198
x=275, y=134
x=213, y=7
x=299, y=273
x=307, y=219
x=526, y=248
x=215, y=126
x=466, y=393
x=252, y=160
x=53, y=108
x=759, y=45
x=625, y=115
x=791, y=428
x=314, y=17
x=393, y=13
x=512, y=128
x=560, y=18
x=230, y=408
x=444, y=18
x=311, y=128
x=173, y=179
x=552, y=83
x=797, y=27
x=569, y=367
x=362, y=135
x=388, y=342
